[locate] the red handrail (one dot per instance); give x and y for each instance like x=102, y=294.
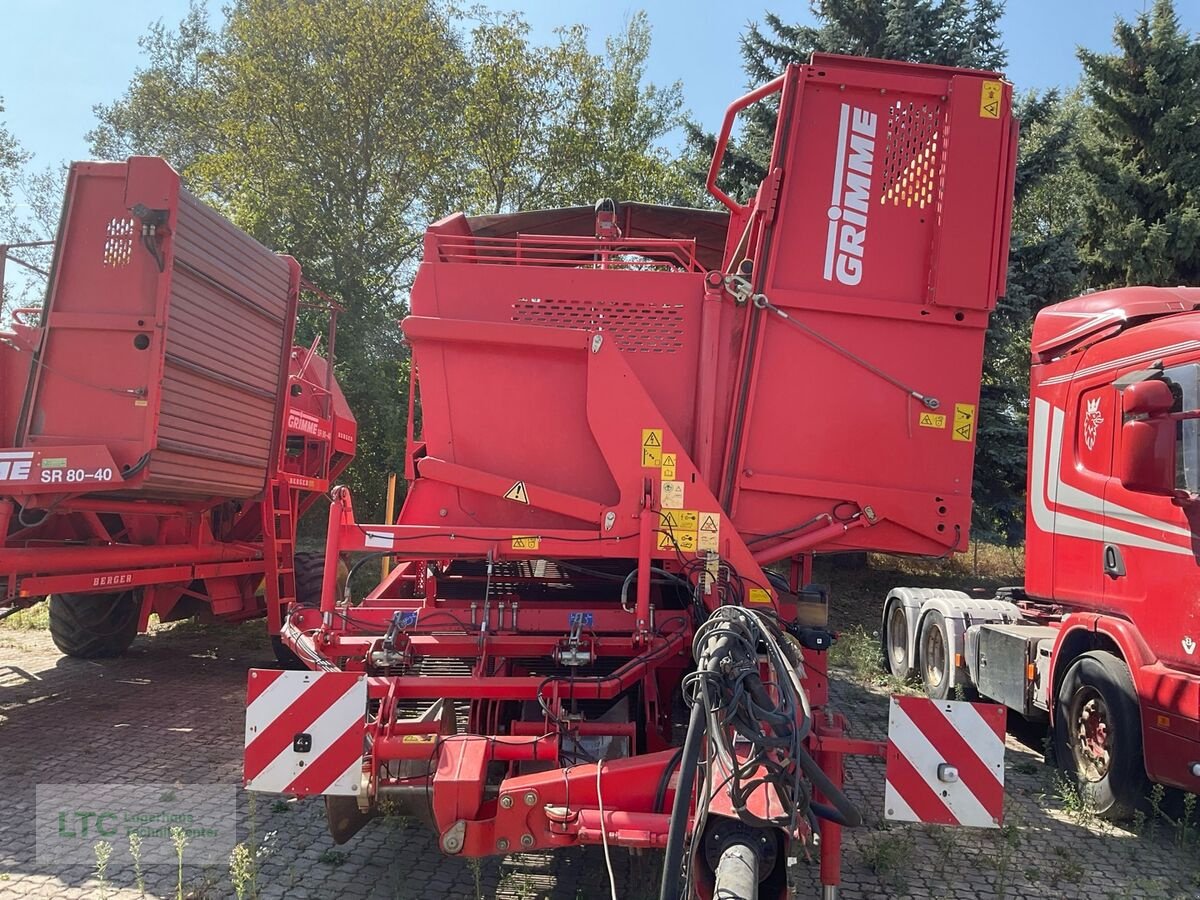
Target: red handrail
x=735, y=107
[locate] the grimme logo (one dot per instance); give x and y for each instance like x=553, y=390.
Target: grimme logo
x=15, y=466
x=851, y=196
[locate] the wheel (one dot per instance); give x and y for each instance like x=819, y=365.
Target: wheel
x=94, y=626
x=895, y=640
x=1098, y=734
x=310, y=575
x=936, y=657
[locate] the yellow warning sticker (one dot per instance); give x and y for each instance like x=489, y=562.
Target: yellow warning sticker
x=680, y=519
x=684, y=540
x=989, y=100
x=651, y=448
x=517, y=493
x=418, y=739
x=671, y=495
x=526, y=542
x=709, y=531
x=931, y=420
x=964, y=422
x=668, y=465
x=758, y=595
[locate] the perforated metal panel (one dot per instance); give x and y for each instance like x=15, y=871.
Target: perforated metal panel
x=910, y=156
x=636, y=326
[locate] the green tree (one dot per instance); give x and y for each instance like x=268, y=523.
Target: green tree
x=335, y=130
x=948, y=32
x=1043, y=260
x=1043, y=267
x=560, y=125
x=1141, y=155
x=315, y=126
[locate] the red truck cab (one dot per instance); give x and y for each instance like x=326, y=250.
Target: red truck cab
x=1114, y=501
x=1102, y=640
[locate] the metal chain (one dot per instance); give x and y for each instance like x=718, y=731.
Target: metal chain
x=740, y=289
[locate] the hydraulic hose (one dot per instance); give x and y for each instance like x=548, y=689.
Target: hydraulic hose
x=850, y=816
x=669, y=889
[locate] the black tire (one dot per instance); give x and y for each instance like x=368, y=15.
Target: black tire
x=894, y=640
x=1097, y=703
x=94, y=626
x=935, y=657
x=310, y=575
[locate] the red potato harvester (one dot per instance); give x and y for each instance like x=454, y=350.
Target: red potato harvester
x=628, y=414
x=160, y=434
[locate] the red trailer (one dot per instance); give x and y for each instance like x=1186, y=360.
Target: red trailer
x=161, y=433
x=639, y=423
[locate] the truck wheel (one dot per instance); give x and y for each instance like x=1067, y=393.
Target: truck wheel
x=310, y=573
x=936, y=657
x=1098, y=734
x=895, y=640
x=94, y=626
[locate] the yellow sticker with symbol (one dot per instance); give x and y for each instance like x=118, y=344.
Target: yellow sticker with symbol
x=681, y=519
x=931, y=420
x=651, y=448
x=989, y=100
x=685, y=541
x=668, y=465
x=964, y=422
x=526, y=542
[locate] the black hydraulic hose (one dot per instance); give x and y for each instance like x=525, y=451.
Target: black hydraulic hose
x=851, y=817
x=669, y=889
x=821, y=811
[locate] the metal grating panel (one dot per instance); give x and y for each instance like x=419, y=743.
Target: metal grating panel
x=636, y=326
x=910, y=161
x=118, y=247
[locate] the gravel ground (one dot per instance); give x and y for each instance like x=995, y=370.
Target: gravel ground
x=171, y=711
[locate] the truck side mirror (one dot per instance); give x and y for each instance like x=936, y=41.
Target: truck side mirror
x=1147, y=461
x=1148, y=398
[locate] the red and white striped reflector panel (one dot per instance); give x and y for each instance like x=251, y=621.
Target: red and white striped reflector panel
x=945, y=762
x=304, y=732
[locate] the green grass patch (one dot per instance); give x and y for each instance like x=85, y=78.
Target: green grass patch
x=33, y=618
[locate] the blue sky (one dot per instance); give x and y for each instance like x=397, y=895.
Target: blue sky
x=60, y=57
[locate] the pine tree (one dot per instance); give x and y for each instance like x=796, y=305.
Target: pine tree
x=1043, y=264
x=951, y=33
x=1142, y=154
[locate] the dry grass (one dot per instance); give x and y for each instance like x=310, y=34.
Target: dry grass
x=857, y=592
x=34, y=618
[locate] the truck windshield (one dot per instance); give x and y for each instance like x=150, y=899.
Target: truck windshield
x=1186, y=382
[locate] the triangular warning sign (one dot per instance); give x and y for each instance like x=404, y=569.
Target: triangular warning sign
x=708, y=523
x=651, y=439
x=517, y=493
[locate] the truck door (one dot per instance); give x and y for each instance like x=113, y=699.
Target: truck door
x=1078, y=467
x=1151, y=575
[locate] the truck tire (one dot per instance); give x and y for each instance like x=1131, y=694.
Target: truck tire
x=309, y=570
x=935, y=660
x=1098, y=734
x=894, y=640
x=94, y=626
